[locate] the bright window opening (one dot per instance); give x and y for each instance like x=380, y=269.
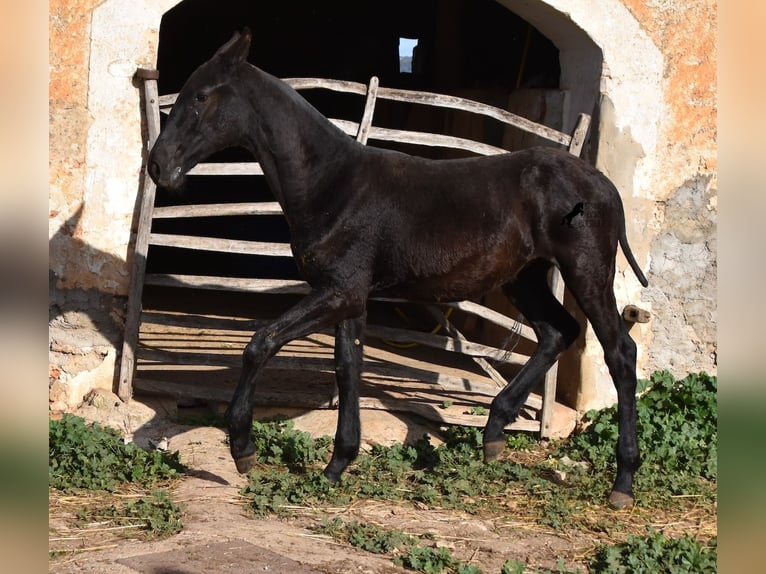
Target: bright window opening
x=407, y=47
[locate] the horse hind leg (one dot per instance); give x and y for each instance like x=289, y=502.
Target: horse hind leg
x=595, y=295
x=556, y=330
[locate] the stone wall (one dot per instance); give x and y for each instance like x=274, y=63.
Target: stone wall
x=684, y=188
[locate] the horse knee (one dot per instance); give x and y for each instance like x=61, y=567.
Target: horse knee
x=260, y=348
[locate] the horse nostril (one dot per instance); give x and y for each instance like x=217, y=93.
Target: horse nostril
x=154, y=171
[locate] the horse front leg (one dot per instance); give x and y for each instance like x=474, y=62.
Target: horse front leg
x=349, y=344
x=315, y=312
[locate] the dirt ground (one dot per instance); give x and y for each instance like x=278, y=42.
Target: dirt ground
x=220, y=536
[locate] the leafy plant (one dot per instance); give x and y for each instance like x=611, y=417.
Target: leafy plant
x=156, y=514
x=428, y=560
x=92, y=456
x=367, y=537
x=677, y=436
x=410, y=553
x=517, y=567
x=656, y=553
x=278, y=442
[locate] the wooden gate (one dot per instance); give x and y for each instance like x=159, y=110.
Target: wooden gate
x=437, y=374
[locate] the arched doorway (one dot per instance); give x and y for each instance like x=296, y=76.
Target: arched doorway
x=602, y=54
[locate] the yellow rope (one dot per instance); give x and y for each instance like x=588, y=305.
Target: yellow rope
x=403, y=317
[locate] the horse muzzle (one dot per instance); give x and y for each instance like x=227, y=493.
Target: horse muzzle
x=171, y=178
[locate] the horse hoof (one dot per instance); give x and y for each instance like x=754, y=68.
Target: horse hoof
x=493, y=449
x=245, y=464
x=620, y=500
x=332, y=477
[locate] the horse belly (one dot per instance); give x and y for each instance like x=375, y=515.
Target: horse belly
x=443, y=277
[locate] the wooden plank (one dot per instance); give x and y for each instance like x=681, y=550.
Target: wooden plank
x=273, y=286
x=457, y=103
x=418, y=97
x=485, y=365
x=221, y=244
x=433, y=140
x=135, y=290
x=347, y=127
x=213, y=323
x=551, y=377
x=328, y=84
x=579, y=134
x=495, y=317
x=455, y=345
x=369, y=110
x=229, y=168
x=427, y=373
x=218, y=209
x=253, y=168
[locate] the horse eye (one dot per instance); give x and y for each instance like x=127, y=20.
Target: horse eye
x=201, y=97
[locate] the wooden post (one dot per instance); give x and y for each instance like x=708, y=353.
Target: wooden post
x=579, y=133
x=369, y=110
x=133, y=315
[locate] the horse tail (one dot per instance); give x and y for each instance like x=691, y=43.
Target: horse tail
x=631, y=259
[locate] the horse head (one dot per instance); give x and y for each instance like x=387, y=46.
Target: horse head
x=207, y=116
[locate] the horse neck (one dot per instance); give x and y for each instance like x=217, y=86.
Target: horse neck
x=298, y=148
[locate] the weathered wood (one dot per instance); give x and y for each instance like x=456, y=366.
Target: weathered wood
x=148, y=191
x=327, y=83
x=221, y=244
x=579, y=134
x=433, y=140
x=233, y=359
x=496, y=318
x=453, y=331
x=551, y=377
x=369, y=110
x=455, y=344
x=273, y=286
x=634, y=314
x=218, y=209
x=457, y=103
x=232, y=168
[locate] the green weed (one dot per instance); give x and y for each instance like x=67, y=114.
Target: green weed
x=517, y=567
x=155, y=514
x=92, y=456
x=677, y=436
x=367, y=537
x=656, y=553
x=408, y=550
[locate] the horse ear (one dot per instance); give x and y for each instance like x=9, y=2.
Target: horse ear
x=236, y=49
